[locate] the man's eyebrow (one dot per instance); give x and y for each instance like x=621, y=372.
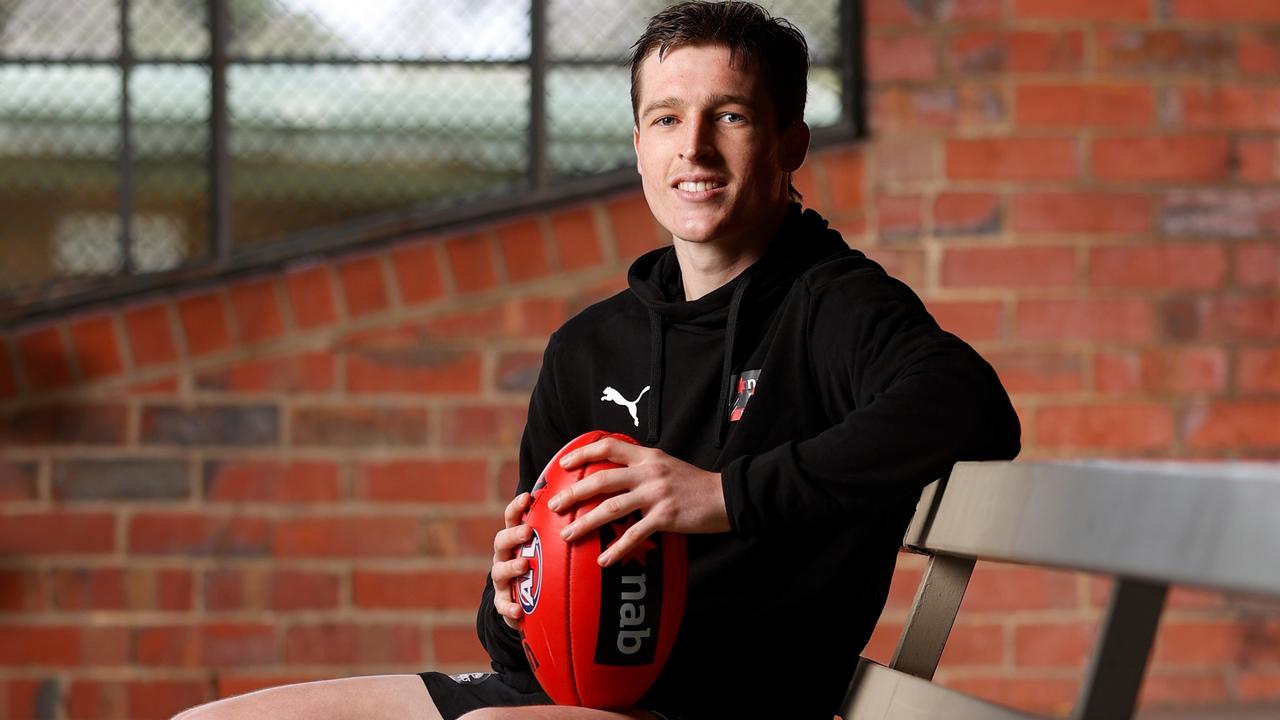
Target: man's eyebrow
x=714, y=101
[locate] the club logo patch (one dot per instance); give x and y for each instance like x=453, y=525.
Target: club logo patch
x=530, y=587
x=744, y=388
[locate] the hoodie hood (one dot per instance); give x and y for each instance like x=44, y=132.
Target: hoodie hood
x=655, y=279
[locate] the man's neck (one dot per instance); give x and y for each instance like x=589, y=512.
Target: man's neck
x=707, y=266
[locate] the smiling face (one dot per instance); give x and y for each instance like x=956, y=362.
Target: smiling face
x=715, y=166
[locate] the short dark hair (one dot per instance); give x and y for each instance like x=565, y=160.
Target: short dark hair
x=776, y=46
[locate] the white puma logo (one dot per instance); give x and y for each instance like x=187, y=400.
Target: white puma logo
x=615, y=397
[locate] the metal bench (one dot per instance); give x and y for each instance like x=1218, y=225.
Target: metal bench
x=1147, y=524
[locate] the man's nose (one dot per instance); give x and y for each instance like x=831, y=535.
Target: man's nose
x=698, y=141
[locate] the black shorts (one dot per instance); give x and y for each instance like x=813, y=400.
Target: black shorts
x=455, y=695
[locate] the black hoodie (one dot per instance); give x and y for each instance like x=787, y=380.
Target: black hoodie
x=827, y=397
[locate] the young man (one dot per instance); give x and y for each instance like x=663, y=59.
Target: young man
x=791, y=397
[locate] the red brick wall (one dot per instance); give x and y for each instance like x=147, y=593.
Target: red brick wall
x=298, y=476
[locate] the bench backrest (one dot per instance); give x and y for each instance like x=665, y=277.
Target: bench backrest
x=1147, y=524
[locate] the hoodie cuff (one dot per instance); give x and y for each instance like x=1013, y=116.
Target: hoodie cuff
x=733, y=482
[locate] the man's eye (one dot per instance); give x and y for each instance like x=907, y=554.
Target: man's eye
x=732, y=117
x=665, y=121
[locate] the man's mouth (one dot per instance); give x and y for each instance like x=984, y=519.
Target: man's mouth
x=699, y=186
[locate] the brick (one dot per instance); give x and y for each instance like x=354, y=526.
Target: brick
x=348, y=644
x=996, y=588
x=411, y=365
x=577, y=243
x=1258, y=370
x=259, y=588
x=1012, y=159
x=105, y=646
x=908, y=12
x=237, y=645
x=1029, y=372
x=1020, y=52
x=1053, y=696
x=1197, y=643
x=311, y=299
x=1128, y=320
x=1103, y=10
x=980, y=645
x=457, y=646
x=1019, y=267
x=1233, y=424
x=845, y=177
x=1181, y=688
x=1258, y=685
x=312, y=372
x=433, y=590
x=45, y=359
x=899, y=58
x=805, y=182
x=22, y=591
x=1257, y=160
x=1222, y=213
x=524, y=251
x=1176, y=158
x=967, y=214
x=1226, y=10
x=902, y=590
x=95, y=347
x=231, y=425
x=351, y=426
x=471, y=263
x=88, y=424
x=1081, y=212
x=966, y=105
x=904, y=160
x=121, y=479
x=164, y=698
x=1085, y=106
x=433, y=481
x=163, y=386
x=1258, y=53
x=1225, y=318
x=1064, y=645
x=40, y=646
x=634, y=229
x=899, y=217
x=18, y=481
x=497, y=426
x=1165, y=370
x=299, y=481
x=347, y=537
x=150, y=335
x=1200, y=266
x=191, y=534
x=300, y=590
x=57, y=533
x=538, y=317
x=461, y=537
x=204, y=323
x=92, y=700
x=508, y=479
x=1164, y=51
x=516, y=372
x=417, y=271
x=1121, y=426
x=970, y=320
x=905, y=265
x=256, y=308
x=89, y=589
x=363, y=286
x=1224, y=108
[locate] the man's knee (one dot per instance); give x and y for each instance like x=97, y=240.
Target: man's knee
x=493, y=713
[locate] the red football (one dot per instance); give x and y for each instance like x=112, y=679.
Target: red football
x=596, y=637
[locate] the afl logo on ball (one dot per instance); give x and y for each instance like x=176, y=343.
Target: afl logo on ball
x=531, y=584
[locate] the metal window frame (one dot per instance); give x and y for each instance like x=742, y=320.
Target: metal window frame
x=542, y=188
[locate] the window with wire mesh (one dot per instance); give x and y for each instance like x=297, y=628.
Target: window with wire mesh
x=337, y=111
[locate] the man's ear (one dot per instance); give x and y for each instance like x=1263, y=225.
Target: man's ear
x=635, y=143
x=795, y=145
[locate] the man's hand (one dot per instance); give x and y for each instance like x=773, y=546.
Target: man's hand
x=506, y=566
x=670, y=494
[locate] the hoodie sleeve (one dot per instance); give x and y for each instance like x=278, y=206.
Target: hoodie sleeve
x=542, y=438
x=906, y=399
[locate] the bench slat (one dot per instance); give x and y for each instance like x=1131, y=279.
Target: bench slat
x=1201, y=524
x=879, y=693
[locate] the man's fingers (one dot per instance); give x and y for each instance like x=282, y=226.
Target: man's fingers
x=629, y=540
x=515, y=509
x=597, y=483
x=508, y=570
x=623, y=453
x=505, y=541
x=610, y=508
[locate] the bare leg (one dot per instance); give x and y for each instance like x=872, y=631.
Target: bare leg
x=374, y=697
